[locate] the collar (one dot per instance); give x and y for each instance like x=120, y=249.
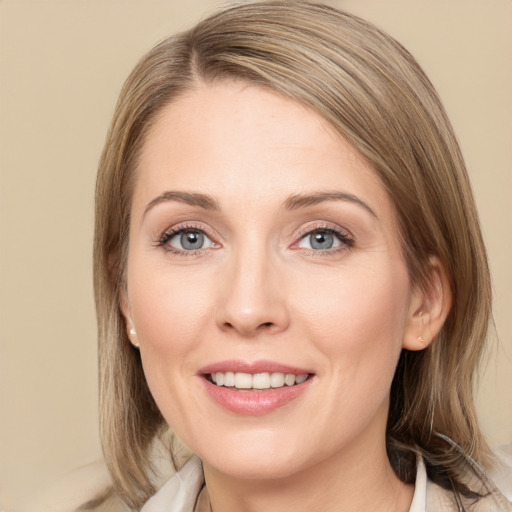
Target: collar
x=180, y=493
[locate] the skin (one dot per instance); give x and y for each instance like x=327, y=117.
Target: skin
x=258, y=291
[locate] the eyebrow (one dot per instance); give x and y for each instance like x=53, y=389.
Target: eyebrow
x=294, y=202
x=192, y=198
x=303, y=200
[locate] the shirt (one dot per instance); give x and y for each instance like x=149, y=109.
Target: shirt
x=185, y=492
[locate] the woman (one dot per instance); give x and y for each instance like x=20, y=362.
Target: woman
x=290, y=274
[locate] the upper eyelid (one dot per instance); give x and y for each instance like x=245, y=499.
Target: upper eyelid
x=307, y=228
x=162, y=240
x=344, y=236
x=180, y=227
x=327, y=226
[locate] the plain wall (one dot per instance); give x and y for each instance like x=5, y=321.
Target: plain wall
x=62, y=64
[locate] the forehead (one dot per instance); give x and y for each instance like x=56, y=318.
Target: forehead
x=239, y=140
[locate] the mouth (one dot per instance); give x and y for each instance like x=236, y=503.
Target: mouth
x=255, y=388
x=256, y=381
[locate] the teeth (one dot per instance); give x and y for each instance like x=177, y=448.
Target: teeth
x=277, y=380
x=289, y=380
x=301, y=378
x=261, y=381
x=242, y=380
x=229, y=379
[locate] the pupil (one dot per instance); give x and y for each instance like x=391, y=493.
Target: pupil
x=192, y=240
x=322, y=240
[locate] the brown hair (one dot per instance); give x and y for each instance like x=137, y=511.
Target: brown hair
x=375, y=95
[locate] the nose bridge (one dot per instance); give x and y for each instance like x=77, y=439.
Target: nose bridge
x=251, y=301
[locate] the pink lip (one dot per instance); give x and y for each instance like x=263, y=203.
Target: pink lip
x=248, y=402
x=261, y=366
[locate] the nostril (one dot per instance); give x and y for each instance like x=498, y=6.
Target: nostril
x=267, y=324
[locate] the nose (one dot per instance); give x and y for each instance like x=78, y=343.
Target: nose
x=252, y=298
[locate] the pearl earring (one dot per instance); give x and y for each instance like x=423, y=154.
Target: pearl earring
x=133, y=333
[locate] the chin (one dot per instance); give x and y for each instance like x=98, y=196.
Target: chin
x=257, y=457
x=255, y=468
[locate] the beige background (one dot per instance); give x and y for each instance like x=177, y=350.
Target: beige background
x=62, y=64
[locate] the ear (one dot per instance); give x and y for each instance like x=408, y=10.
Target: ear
x=430, y=305
x=124, y=305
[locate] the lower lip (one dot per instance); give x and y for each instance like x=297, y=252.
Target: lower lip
x=254, y=403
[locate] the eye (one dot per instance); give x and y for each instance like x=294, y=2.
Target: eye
x=187, y=240
x=323, y=240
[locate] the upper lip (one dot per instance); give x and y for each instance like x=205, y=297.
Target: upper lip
x=260, y=366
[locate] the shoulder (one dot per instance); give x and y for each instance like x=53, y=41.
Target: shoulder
x=441, y=500
x=495, y=488
x=89, y=488
x=73, y=490
x=502, y=476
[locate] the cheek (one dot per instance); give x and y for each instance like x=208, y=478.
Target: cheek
x=357, y=320
x=170, y=311
x=358, y=317
x=163, y=302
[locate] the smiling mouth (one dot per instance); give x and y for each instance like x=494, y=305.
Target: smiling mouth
x=256, y=381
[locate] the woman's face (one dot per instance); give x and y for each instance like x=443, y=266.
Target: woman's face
x=264, y=251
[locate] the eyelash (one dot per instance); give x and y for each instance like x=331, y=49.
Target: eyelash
x=163, y=242
x=346, y=241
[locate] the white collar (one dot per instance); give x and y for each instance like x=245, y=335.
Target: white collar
x=419, y=500
x=180, y=492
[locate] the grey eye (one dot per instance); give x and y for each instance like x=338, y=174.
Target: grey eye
x=320, y=240
x=190, y=240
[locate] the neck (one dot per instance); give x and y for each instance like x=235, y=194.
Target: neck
x=351, y=480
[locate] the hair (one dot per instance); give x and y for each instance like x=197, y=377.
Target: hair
x=375, y=95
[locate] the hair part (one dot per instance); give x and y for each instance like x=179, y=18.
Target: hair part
x=375, y=95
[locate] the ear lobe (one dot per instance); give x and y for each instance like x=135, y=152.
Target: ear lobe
x=126, y=312
x=429, y=308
